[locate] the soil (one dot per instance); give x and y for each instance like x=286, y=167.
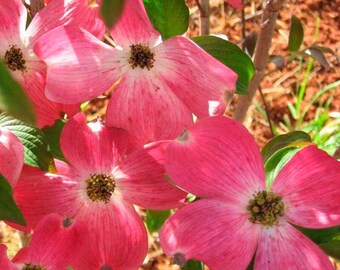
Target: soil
x=278, y=86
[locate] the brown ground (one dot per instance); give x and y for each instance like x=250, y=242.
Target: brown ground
x=278, y=85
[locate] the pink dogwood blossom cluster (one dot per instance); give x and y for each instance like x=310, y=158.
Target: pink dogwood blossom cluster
x=86, y=213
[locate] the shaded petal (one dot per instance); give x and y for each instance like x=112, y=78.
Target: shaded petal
x=141, y=180
x=235, y=3
x=74, y=55
x=11, y=156
x=46, y=111
x=204, y=84
x=145, y=107
x=5, y=263
x=310, y=187
x=13, y=17
x=118, y=236
x=212, y=232
x=134, y=26
x=92, y=147
x=216, y=157
x=66, y=12
x=284, y=247
x=39, y=193
x=55, y=246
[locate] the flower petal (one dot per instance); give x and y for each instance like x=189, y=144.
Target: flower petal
x=118, y=236
x=11, y=156
x=53, y=244
x=13, y=17
x=134, y=26
x=235, y=3
x=284, y=247
x=203, y=83
x=310, y=187
x=212, y=232
x=5, y=263
x=217, y=157
x=144, y=106
x=74, y=55
x=46, y=111
x=92, y=147
x=39, y=193
x=66, y=12
x=141, y=180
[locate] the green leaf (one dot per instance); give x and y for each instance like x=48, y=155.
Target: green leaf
x=8, y=209
x=230, y=55
x=295, y=34
x=52, y=135
x=320, y=236
x=280, y=150
x=155, y=219
x=332, y=248
x=111, y=11
x=169, y=17
x=193, y=265
x=294, y=138
x=13, y=99
x=36, y=149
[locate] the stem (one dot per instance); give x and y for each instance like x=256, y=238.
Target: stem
x=243, y=20
x=261, y=55
x=267, y=112
x=204, y=8
x=337, y=153
x=36, y=6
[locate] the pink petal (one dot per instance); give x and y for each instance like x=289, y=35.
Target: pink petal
x=55, y=246
x=74, y=55
x=13, y=17
x=144, y=106
x=203, y=83
x=217, y=157
x=92, y=147
x=212, y=232
x=284, y=247
x=39, y=193
x=141, y=180
x=118, y=236
x=66, y=12
x=310, y=187
x=46, y=111
x=11, y=156
x=5, y=263
x=134, y=26
x=235, y=3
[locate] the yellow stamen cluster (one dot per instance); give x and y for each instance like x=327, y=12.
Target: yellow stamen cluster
x=141, y=55
x=265, y=208
x=100, y=187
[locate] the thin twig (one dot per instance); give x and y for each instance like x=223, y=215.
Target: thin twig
x=36, y=6
x=267, y=111
x=203, y=6
x=261, y=55
x=243, y=20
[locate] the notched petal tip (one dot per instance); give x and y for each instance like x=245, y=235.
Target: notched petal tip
x=184, y=136
x=179, y=259
x=67, y=222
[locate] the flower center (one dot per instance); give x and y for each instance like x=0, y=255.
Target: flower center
x=29, y=266
x=100, y=187
x=141, y=55
x=265, y=208
x=14, y=58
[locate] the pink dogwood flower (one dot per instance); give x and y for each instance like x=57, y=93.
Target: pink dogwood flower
x=11, y=156
x=235, y=3
x=16, y=47
x=56, y=244
x=99, y=187
x=238, y=215
x=158, y=85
